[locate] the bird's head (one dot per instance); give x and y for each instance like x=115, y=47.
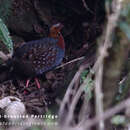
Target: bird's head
x=55, y=30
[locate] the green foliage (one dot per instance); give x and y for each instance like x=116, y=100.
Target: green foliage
x=89, y=84
x=4, y=36
x=124, y=22
x=126, y=29
x=5, y=9
x=118, y=120
x=88, y=89
x=123, y=88
x=84, y=74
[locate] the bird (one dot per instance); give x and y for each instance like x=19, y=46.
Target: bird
x=37, y=57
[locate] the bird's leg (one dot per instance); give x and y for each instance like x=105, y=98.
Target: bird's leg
x=37, y=83
x=27, y=83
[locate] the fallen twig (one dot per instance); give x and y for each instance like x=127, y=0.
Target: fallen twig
x=72, y=61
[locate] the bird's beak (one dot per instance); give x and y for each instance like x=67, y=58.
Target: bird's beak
x=57, y=27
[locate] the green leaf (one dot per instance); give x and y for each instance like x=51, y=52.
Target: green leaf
x=88, y=85
x=124, y=22
x=84, y=74
x=125, y=28
x=118, y=120
x=126, y=11
x=88, y=89
x=4, y=36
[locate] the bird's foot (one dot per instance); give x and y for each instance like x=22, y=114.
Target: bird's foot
x=27, y=84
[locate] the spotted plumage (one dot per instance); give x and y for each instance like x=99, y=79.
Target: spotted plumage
x=43, y=55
